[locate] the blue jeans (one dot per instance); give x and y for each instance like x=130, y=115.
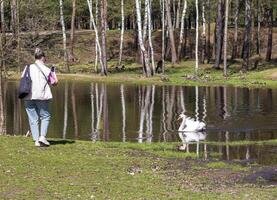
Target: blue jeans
x=38, y=110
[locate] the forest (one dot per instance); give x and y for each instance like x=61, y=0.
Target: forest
x=217, y=32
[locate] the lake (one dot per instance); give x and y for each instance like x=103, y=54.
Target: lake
x=138, y=113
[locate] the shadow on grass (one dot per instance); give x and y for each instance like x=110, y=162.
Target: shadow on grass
x=60, y=142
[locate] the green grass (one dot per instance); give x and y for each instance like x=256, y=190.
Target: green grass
x=224, y=165
x=181, y=74
x=86, y=170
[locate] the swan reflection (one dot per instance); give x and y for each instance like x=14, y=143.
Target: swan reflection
x=189, y=137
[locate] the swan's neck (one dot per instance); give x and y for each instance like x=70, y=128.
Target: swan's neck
x=183, y=124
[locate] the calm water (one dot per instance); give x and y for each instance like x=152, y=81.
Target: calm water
x=114, y=112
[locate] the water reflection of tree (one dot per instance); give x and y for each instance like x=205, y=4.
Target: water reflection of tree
x=106, y=133
x=97, y=107
x=2, y=108
x=65, y=109
x=17, y=115
x=122, y=97
x=74, y=110
x=92, y=111
x=147, y=100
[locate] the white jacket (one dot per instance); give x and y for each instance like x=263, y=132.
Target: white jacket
x=40, y=88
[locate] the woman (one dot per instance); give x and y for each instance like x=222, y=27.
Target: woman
x=37, y=102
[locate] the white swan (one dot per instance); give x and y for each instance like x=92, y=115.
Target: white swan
x=190, y=131
x=190, y=125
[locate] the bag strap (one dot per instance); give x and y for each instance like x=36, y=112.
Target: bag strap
x=27, y=71
x=42, y=73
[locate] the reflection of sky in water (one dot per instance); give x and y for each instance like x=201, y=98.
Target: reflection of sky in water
x=117, y=112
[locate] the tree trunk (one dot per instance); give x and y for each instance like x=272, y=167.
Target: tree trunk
x=72, y=27
x=163, y=33
x=17, y=36
x=2, y=115
x=177, y=25
x=209, y=33
x=196, y=38
x=145, y=21
x=219, y=33
x=96, y=34
x=270, y=30
x=13, y=16
x=258, y=40
x=246, y=39
x=182, y=29
x=122, y=33
x=149, y=11
x=3, y=40
x=146, y=67
x=171, y=33
x=103, y=34
x=64, y=37
x=203, y=36
x=235, y=42
x=96, y=47
x=251, y=48
x=226, y=36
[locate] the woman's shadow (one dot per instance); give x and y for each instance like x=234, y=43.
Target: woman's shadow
x=61, y=142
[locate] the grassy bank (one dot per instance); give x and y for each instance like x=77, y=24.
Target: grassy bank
x=85, y=170
x=181, y=74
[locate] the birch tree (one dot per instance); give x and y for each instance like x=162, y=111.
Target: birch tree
x=96, y=47
x=72, y=28
x=145, y=21
x=150, y=35
x=203, y=36
x=171, y=33
x=182, y=29
x=226, y=36
x=2, y=39
x=163, y=32
x=208, y=46
x=64, y=37
x=96, y=34
x=103, y=9
x=145, y=58
x=122, y=33
x=196, y=38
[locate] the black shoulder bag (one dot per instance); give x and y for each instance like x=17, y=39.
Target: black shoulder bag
x=25, y=85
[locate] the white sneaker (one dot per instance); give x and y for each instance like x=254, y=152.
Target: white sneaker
x=43, y=140
x=37, y=144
